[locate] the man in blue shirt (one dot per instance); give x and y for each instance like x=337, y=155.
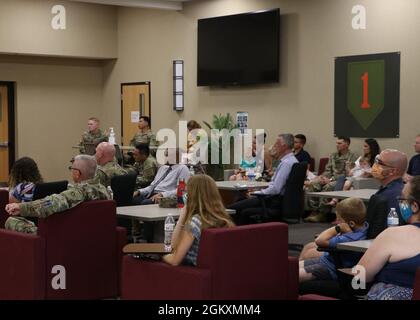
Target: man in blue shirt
x=389, y=168
x=414, y=165
x=283, y=148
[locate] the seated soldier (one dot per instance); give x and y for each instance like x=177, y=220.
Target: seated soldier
x=145, y=166
x=351, y=213
x=107, y=167
x=335, y=168
x=84, y=189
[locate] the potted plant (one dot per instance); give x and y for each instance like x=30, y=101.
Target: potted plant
x=220, y=122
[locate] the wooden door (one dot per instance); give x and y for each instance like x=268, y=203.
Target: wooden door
x=135, y=102
x=4, y=134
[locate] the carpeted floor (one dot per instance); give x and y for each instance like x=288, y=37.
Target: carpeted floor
x=302, y=233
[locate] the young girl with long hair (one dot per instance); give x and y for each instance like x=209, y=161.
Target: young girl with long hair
x=204, y=209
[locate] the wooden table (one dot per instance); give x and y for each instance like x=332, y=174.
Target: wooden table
x=356, y=246
x=363, y=194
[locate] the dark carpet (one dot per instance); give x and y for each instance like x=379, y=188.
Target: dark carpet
x=302, y=233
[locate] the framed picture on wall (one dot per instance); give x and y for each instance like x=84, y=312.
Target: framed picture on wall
x=367, y=95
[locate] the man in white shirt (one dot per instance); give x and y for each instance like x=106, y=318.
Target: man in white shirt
x=165, y=183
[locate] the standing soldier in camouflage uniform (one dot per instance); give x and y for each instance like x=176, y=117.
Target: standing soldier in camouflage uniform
x=107, y=167
x=93, y=135
x=84, y=189
x=145, y=135
x=145, y=166
x=336, y=167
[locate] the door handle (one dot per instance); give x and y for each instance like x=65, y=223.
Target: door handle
x=4, y=144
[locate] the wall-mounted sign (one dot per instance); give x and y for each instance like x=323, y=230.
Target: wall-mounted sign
x=367, y=95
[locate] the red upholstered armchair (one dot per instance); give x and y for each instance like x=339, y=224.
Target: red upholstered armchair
x=84, y=240
x=246, y=262
x=4, y=199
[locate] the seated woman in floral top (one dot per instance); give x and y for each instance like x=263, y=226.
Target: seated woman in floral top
x=23, y=177
x=204, y=210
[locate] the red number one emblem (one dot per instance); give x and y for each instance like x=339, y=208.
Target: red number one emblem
x=365, y=102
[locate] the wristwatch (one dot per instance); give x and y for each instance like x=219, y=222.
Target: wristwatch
x=337, y=229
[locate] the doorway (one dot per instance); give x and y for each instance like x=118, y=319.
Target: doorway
x=135, y=102
x=7, y=129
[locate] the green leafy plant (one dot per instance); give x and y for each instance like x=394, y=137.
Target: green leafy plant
x=219, y=122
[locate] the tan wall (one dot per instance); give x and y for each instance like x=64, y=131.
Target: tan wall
x=25, y=28
x=312, y=34
x=55, y=97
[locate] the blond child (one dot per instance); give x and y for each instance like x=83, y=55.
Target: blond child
x=351, y=214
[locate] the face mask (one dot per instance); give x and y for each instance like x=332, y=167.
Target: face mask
x=378, y=172
x=406, y=211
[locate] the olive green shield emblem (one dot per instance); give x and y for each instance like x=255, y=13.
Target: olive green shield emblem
x=366, y=90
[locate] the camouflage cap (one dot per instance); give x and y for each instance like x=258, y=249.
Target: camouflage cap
x=168, y=202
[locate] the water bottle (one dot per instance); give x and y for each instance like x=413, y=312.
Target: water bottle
x=393, y=220
x=180, y=193
x=251, y=174
x=112, y=136
x=192, y=172
x=111, y=193
x=169, y=230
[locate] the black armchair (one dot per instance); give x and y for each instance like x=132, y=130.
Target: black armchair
x=48, y=188
x=123, y=188
x=288, y=207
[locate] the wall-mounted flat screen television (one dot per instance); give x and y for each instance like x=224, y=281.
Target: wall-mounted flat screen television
x=239, y=49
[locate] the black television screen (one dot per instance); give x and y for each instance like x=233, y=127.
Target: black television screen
x=239, y=49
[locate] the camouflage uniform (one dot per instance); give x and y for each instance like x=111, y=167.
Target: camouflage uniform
x=147, y=138
x=95, y=138
x=145, y=171
x=105, y=173
x=335, y=167
x=42, y=208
